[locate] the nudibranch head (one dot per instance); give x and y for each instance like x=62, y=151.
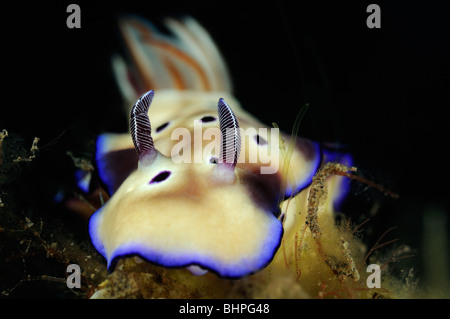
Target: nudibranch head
x=203, y=214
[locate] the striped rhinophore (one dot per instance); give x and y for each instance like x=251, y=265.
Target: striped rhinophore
x=231, y=135
x=140, y=127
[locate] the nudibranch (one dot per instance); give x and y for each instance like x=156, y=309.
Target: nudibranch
x=217, y=209
x=180, y=215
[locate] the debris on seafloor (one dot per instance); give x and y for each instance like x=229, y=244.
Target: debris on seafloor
x=36, y=244
x=37, y=251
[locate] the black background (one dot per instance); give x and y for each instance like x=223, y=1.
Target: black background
x=383, y=92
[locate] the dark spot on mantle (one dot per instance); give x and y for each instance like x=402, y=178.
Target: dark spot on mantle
x=162, y=127
x=206, y=119
x=160, y=177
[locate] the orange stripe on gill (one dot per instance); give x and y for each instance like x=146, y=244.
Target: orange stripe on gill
x=148, y=38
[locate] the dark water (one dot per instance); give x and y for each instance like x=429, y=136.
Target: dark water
x=382, y=92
